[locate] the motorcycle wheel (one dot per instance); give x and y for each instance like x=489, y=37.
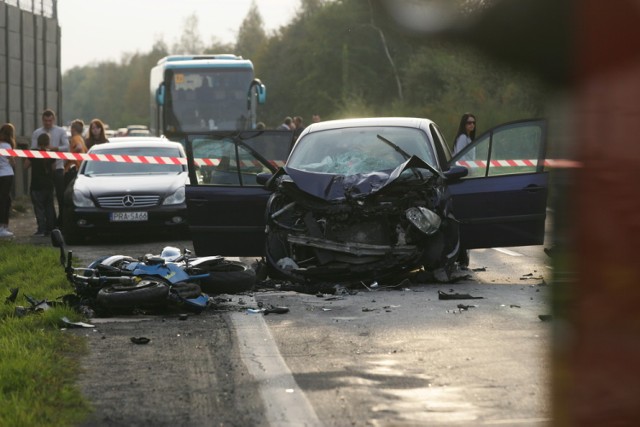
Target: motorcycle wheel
x=228, y=277
x=147, y=293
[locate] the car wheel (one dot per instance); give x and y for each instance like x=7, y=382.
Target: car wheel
x=228, y=277
x=147, y=293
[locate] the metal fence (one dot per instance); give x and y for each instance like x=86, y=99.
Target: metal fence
x=46, y=8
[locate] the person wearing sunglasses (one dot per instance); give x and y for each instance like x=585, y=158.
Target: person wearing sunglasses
x=465, y=135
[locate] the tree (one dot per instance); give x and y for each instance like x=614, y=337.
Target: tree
x=190, y=41
x=251, y=36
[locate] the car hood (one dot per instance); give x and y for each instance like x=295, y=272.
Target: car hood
x=110, y=184
x=332, y=187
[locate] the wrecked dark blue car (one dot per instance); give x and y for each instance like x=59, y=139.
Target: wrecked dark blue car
x=375, y=198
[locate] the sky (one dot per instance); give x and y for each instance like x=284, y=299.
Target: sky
x=100, y=30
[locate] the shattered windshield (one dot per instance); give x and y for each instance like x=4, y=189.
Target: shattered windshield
x=359, y=150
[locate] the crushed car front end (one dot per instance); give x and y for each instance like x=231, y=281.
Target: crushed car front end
x=375, y=226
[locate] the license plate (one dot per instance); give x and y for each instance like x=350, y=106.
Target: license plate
x=128, y=216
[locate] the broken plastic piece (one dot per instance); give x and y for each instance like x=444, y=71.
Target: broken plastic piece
x=287, y=264
x=276, y=310
x=446, y=296
x=12, y=297
x=69, y=324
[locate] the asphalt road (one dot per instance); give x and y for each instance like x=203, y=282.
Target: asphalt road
x=391, y=356
x=374, y=357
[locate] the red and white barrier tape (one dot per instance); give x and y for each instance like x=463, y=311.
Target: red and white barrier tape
x=159, y=160
x=553, y=163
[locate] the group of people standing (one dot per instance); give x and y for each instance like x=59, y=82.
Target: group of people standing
x=49, y=177
x=296, y=124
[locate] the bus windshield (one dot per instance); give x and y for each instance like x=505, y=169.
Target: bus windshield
x=209, y=99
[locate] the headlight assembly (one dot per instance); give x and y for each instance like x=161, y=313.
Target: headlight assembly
x=82, y=201
x=424, y=219
x=176, y=198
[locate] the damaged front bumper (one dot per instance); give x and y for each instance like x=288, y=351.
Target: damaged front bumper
x=352, y=248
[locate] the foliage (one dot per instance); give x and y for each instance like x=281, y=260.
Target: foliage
x=335, y=58
x=190, y=41
x=252, y=35
x=37, y=373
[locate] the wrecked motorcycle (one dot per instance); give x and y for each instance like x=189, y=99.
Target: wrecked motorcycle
x=172, y=280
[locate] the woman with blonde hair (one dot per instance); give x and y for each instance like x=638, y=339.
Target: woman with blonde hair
x=7, y=163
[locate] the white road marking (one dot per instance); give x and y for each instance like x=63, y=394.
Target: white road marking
x=507, y=252
x=285, y=402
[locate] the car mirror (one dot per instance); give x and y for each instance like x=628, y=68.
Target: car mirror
x=456, y=172
x=263, y=177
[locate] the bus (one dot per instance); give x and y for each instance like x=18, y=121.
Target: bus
x=191, y=94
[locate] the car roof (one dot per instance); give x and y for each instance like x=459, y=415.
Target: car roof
x=414, y=122
x=135, y=141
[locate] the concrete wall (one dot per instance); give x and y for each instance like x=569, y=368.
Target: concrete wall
x=30, y=74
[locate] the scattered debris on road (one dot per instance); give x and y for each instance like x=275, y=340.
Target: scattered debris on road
x=445, y=296
x=66, y=323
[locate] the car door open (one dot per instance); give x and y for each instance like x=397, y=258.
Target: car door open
x=503, y=199
x=225, y=203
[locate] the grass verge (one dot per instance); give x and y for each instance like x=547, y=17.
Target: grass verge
x=38, y=360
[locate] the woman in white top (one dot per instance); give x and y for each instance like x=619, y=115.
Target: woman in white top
x=465, y=136
x=7, y=141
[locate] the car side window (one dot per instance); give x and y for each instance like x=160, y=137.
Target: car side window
x=236, y=160
x=510, y=149
x=219, y=157
x=515, y=150
x=249, y=167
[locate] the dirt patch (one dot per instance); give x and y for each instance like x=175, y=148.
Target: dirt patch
x=22, y=222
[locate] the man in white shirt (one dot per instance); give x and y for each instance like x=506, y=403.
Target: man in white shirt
x=59, y=142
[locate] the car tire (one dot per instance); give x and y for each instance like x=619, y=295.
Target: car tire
x=147, y=293
x=228, y=277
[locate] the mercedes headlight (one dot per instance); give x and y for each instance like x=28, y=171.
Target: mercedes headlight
x=82, y=201
x=176, y=198
x=424, y=219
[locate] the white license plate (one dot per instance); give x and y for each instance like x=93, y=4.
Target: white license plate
x=128, y=216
